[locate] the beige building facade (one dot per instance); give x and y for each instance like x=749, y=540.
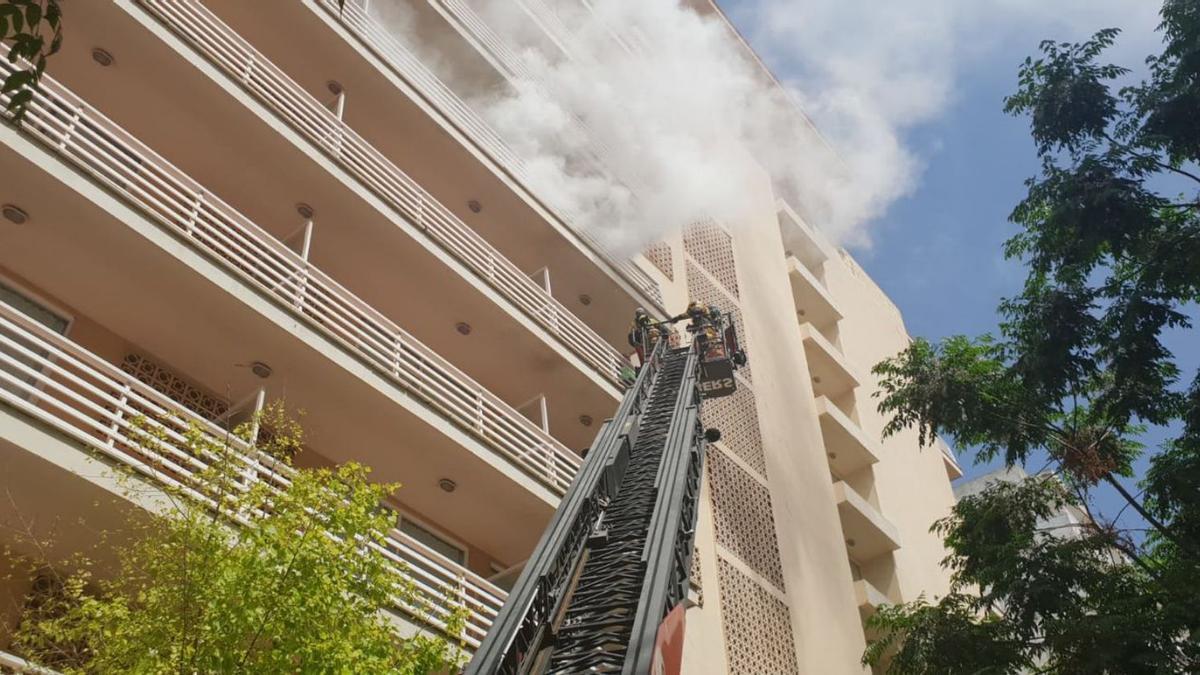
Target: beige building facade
x=217, y=203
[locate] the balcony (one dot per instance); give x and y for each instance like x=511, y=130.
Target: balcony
x=869, y=598
x=868, y=534
x=953, y=470
x=81, y=136
x=802, y=241
x=313, y=120
x=523, y=344
x=847, y=447
x=92, y=404
x=813, y=302
x=201, y=286
x=831, y=374
x=410, y=115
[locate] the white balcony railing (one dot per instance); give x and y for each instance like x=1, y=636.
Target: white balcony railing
x=86, y=139
x=49, y=378
x=271, y=86
x=10, y=663
x=384, y=44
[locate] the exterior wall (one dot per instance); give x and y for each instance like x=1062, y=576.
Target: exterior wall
x=825, y=622
x=771, y=466
x=777, y=593
x=871, y=331
x=14, y=587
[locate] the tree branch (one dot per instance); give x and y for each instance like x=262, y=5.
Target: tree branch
x=1158, y=525
x=308, y=527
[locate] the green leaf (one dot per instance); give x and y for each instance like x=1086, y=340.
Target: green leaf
x=33, y=15
x=17, y=80
x=20, y=100
x=15, y=17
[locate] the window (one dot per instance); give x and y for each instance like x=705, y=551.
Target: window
x=26, y=305
x=438, y=543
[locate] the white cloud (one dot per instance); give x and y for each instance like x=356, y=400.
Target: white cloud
x=870, y=71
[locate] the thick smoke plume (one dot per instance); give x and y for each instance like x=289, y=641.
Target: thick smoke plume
x=639, y=129
x=636, y=116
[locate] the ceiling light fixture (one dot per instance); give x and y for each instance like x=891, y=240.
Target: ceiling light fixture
x=585, y=299
x=102, y=57
x=585, y=420
x=304, y=210
x=14, y=214
x=447, y=485
x=261, y=369
x=475, y=206
x=463, y=328
x=335, y=87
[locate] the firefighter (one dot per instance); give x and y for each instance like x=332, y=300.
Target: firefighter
x=641, y=332
x=703, y=317
x=697, y=311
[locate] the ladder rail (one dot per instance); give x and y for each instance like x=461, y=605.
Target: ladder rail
x=670, y=539
x=520, y=628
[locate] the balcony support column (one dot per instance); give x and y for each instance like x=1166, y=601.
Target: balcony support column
x=305, y=236
x=537, y=410
x=339, y=111
x=114, y=429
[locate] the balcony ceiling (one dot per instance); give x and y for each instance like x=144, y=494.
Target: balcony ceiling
x=847, y=446
x=872, y=535
x=86, y=259
x=180, y=113
x=831, y=374
x=295, y=38
x=813, y=302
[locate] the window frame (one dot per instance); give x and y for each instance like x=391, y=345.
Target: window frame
x=437, y=532
x=46, y=304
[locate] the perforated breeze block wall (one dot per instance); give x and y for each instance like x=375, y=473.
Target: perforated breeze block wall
x=166, y=382
x=758, y=630
x=756, y=622
x=660, y=256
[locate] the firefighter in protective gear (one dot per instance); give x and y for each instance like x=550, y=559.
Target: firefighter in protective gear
x=704, y=320
x=697, y=311
x=643, y=334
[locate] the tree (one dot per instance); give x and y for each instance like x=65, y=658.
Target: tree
x=238, y=576
x=32, y=29
x=1110, y=236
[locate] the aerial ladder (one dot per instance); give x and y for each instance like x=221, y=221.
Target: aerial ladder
x=616, y=556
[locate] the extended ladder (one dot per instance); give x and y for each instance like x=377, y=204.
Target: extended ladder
x=616, y=555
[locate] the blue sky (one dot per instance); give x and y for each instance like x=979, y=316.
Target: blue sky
x=937, y=250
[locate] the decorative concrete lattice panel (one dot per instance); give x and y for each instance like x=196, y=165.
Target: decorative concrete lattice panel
x=700, y=288
x=660, y=256
x=737, y=418
x=742, y=517
x=712, y=248
x=169, y=384
x=757, y=626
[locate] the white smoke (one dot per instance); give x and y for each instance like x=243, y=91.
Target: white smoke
x=670, y=116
